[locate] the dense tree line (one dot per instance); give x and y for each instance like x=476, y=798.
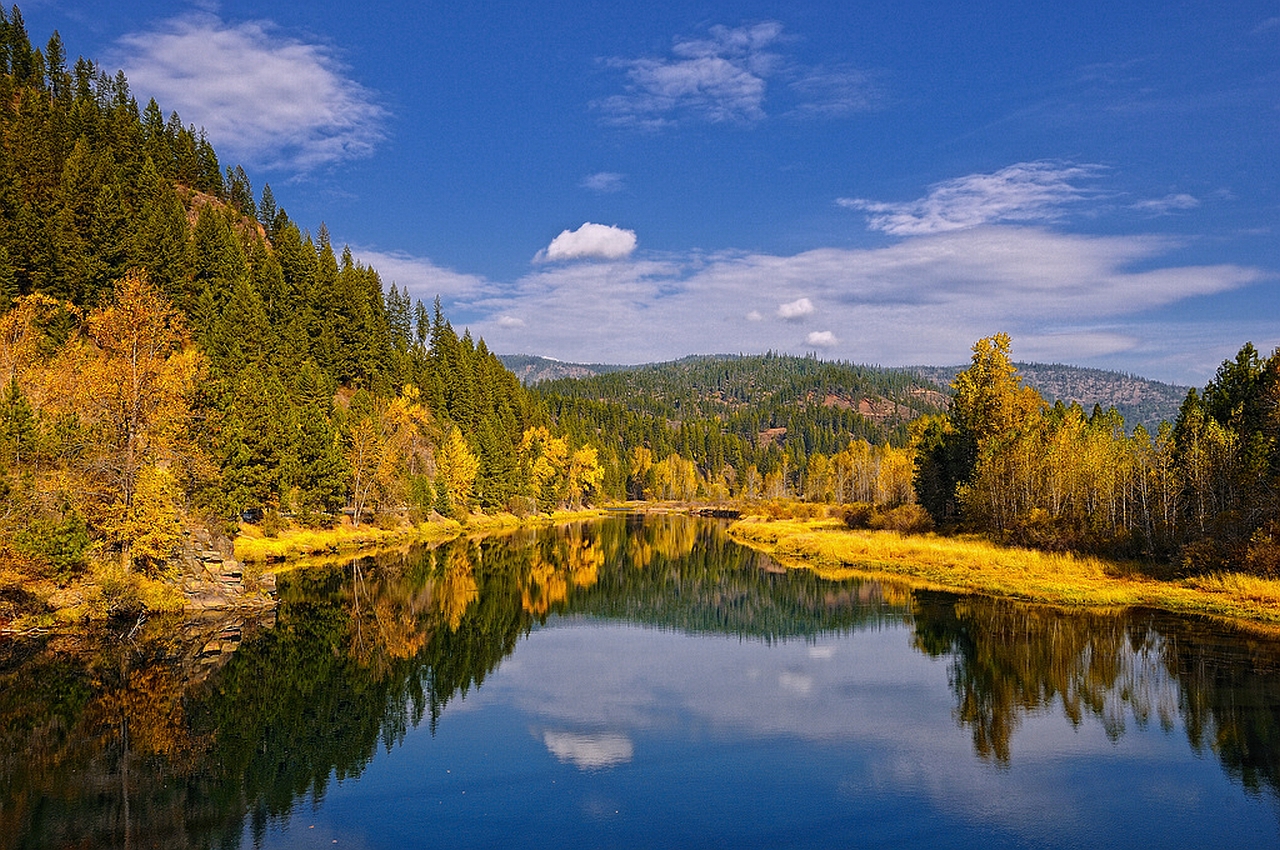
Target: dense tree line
x=765, y=426
x=1203, y=491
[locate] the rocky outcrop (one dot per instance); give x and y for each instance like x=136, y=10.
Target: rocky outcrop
x=212, y=579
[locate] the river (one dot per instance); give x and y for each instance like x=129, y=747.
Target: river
x=638, y=682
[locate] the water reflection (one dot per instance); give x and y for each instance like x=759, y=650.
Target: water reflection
x=174, y=736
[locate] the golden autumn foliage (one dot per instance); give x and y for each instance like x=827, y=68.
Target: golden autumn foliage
x=456, y=470
x=382, y=436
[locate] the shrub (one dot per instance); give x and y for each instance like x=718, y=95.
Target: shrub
x=908, y=519
x=859, y=515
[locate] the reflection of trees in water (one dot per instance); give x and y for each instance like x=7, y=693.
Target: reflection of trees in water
x=145, y=734
x=1009, y=660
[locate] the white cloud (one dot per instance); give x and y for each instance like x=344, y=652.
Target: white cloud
x=755, y=316
x=717, y=79
x=606, y=182
x=422, y=278
x=1168, y=204
x=797, y=309
x=266, y=99
x=510, y=322
x=1026, y=192
x=821, y=339
x=1082, y=299
x=725, y=78
x=590, y=241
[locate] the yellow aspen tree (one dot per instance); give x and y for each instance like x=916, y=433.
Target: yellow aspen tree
x=150, y=532
x=585, y=474
x=545, y=461
x=456, y=469
x=134, y=389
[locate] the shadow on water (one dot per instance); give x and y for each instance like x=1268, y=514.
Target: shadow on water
x=178, y=735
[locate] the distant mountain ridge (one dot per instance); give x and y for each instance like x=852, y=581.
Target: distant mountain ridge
x=1139, y=400
x=531, y=369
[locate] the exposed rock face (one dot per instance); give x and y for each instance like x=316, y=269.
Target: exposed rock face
x=213, y=579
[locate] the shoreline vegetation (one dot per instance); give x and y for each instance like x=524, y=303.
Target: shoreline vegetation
x=971, y=564
x=802, y=538
x=253, y=546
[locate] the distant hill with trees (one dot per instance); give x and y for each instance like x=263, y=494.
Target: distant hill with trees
x=1139, y=400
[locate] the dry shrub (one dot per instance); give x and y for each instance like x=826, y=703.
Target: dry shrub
x=859, y=515
x=908, y=519
x=1263, y=555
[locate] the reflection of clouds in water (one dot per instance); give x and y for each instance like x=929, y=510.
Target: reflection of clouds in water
x=589, y=752
x=822, y=653
x=796, y=683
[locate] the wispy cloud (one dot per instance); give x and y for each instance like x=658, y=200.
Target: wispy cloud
x=1026, y=192
x=265, y=98
x=589, y=242
x=1071, y=298
x=1168, y=204
x=605, y=182
x=725, y=78
x=421, y=277
x=835, y=91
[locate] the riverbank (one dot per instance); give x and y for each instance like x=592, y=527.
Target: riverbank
x=253, y=546
x=208, y=578
x=967, y=564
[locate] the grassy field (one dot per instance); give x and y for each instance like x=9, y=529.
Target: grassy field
x=973, y=564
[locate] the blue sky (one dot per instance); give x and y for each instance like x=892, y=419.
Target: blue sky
x=881, y=182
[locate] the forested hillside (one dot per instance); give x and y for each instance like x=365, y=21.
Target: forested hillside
x=766, y=426
x=175, y=349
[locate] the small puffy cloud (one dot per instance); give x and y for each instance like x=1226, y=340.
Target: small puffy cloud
x=822, y=339
x=265, y=98
x=1025, y=192
x=1168, y=204
x=605, y=182
x=754, y=316
x=589, y=242
x=797, y=309
x=510, y=322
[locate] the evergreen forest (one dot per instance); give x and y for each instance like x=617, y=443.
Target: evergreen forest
x=176, y=351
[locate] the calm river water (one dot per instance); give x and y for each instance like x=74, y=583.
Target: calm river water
x=639, y=683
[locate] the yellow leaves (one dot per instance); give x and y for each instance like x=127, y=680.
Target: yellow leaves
x=456, y=469
x=674, y=477
x=585, y=473
x=152, y=530
x=556, y=473
x=23, y=341
x=380, y=441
